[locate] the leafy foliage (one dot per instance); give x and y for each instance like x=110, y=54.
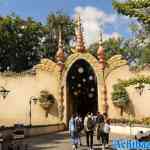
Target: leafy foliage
x=138, y=9
x=120, y=96
x=24, y=42
x=118, y=46
x=46, y=97
x=57, y=22
x=146, y=121
x=112, y=47
x=134, y=81
x=145, y=58
x=19, y=43
x=46, y=101
x=140, y=43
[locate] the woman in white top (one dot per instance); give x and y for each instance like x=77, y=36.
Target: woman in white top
x=106, y=133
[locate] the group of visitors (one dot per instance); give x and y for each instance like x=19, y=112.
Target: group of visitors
x=91, y=123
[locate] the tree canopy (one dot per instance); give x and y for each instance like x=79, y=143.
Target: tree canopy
x=23, y=42
x=139, y=9
x=140, y=42
x=57, y=22
x=19, y=43
x=114, y=46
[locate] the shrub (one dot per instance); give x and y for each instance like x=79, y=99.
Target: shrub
x=46, y=97
x=120, y=97
x=146, y=120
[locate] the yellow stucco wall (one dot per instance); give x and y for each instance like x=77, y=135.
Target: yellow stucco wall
x=15, y=108
x=141, y=103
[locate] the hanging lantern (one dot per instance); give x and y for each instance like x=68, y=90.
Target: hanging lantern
x=79, y=85
x=80, y=70
x=84, y=80
x=72, y=77
x=90, y=77
x=75, y=93
x=90, y=95
x=92, y=89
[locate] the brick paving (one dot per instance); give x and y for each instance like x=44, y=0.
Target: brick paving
x=61, y=141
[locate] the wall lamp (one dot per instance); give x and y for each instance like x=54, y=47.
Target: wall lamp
x=4, y=92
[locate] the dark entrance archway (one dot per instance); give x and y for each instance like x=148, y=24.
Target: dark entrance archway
x=82, y=89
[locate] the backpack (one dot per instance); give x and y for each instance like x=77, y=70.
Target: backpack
x=79, y=125
x=90, y=123
x=99, y=119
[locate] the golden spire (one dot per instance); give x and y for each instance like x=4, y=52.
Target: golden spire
x=60, y=56
x=100, y=39
x=101, y=52
x=79, y=37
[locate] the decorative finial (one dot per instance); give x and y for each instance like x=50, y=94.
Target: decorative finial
x=101, y=39
x=60, y=40
x=60, y=57
x=101, y=52
x=79, y=37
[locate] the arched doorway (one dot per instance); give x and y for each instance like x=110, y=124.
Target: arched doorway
x=82, y=92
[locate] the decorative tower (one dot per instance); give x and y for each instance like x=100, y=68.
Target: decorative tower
x=101, y=56
x=60, y=58
x=79, y=37
x=101, y=53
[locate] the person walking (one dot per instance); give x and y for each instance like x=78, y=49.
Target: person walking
x=79, y=124
x=73, y=132
x=89, y=128
x=100, y=126
x=105, y=139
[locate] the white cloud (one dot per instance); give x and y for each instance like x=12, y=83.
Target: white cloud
x=93, y=20
x=114, y=35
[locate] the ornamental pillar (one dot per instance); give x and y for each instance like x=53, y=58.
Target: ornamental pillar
x=60, y=58
x=101, y=56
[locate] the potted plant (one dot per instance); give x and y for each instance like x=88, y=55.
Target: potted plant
x=46, y=99
x=120, y=98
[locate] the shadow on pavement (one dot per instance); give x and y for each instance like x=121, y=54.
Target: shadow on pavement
x=43, y=142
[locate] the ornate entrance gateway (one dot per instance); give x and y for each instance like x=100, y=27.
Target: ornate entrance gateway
x=81, y=80
x=82, y=88
x=82, y=85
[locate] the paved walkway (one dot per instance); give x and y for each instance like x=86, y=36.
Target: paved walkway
x=59, y=141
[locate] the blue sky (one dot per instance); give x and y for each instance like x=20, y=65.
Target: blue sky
x=96, y=14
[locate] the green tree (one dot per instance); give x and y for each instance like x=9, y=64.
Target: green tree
x=112, y=47
x=140, y=43
x=93, y=49
x=58, y=22
x=120, y=98
x=24, y=42
x=134, y=8
x=19, y=43
x=145, y=57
